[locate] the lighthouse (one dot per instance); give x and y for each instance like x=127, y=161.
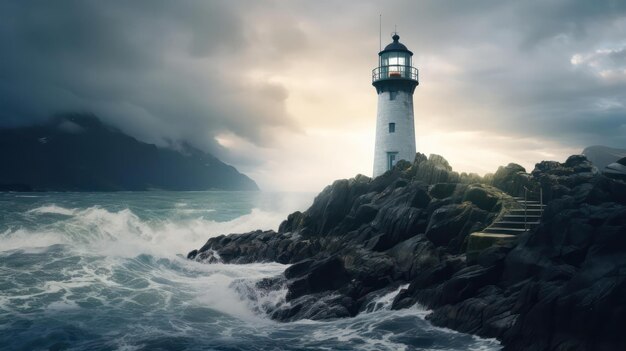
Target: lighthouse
x=395, y=80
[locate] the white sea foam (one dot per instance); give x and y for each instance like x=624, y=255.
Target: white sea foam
x=364, y=330
x=259, y=300
x=29, y=242
x=218, y=289
x=53, y=209
x=124, y=233
x=385, y=301
x=190, y=211
x=107, y=242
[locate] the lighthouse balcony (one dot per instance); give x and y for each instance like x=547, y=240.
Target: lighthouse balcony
x=394, y=72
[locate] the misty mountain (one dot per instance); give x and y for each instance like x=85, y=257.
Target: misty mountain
x=602, y=156
x=80, y=153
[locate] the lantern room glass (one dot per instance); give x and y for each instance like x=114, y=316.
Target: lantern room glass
x=395, y=64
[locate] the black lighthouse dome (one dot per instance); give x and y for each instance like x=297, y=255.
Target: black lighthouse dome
x=396, y=46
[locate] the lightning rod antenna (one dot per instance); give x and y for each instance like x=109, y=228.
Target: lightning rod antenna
x=380, y=32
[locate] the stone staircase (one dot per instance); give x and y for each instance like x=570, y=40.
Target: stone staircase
x=524, y=216
x=518, y=220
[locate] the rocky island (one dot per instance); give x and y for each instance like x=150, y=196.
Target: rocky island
x=558, y=285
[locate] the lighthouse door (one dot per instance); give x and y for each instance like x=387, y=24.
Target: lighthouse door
x=391, y=159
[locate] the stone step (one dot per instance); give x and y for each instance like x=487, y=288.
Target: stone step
x=514, y=217
x=515, y=224
x=528, y=201
x=529, y=208
x=492, y=235
x=529, y=219
x=500, y=230
x=537, y=205
x=529, y=211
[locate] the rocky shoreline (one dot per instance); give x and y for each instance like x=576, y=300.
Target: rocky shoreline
x=559, y=287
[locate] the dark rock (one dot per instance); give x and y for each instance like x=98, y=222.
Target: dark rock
x=397, y=224
x=617, y=189
x=561, y=286
x=442, y=190
x=465, y=283
x=511, y=179
x=299, y=269
x=317, y=276
x=192, y=254
x=402, y=165
x=434, y=170
x=481, y=197
x=420, y=198
x=414, y=255
x=365, y=213
x=419, y=158
x=439, y=161
x=316, y=307
x=493, y=256
x=293, y=222
x=451, y=224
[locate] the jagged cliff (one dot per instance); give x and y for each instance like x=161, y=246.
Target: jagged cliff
x=560, y=287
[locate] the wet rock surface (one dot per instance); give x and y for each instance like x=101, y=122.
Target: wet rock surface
x=561, y=287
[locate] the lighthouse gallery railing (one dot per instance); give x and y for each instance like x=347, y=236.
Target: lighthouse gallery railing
x=394, y=72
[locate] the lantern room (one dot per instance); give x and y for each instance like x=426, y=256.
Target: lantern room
x=394, y=63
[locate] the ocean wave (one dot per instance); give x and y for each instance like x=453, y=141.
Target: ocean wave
x=125, y=233
x=194, y=210
x=116, y=279
x=53, y=209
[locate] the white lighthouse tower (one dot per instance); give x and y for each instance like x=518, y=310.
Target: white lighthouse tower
x=395, y=81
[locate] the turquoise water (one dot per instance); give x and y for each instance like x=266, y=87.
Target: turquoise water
x=107, y=271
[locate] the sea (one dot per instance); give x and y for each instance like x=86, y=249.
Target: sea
x=108, y=271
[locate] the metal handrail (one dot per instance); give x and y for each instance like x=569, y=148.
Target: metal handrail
x=526, y=190
x=394, y=72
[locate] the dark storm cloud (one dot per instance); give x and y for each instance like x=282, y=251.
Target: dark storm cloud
x=161, y=70
x=519, y=61
x=191, y=70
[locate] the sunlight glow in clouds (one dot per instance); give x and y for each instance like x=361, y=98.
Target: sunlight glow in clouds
x=282, y=90
x=608, y=64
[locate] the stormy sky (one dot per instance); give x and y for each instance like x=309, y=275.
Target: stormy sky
x=282, y=89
